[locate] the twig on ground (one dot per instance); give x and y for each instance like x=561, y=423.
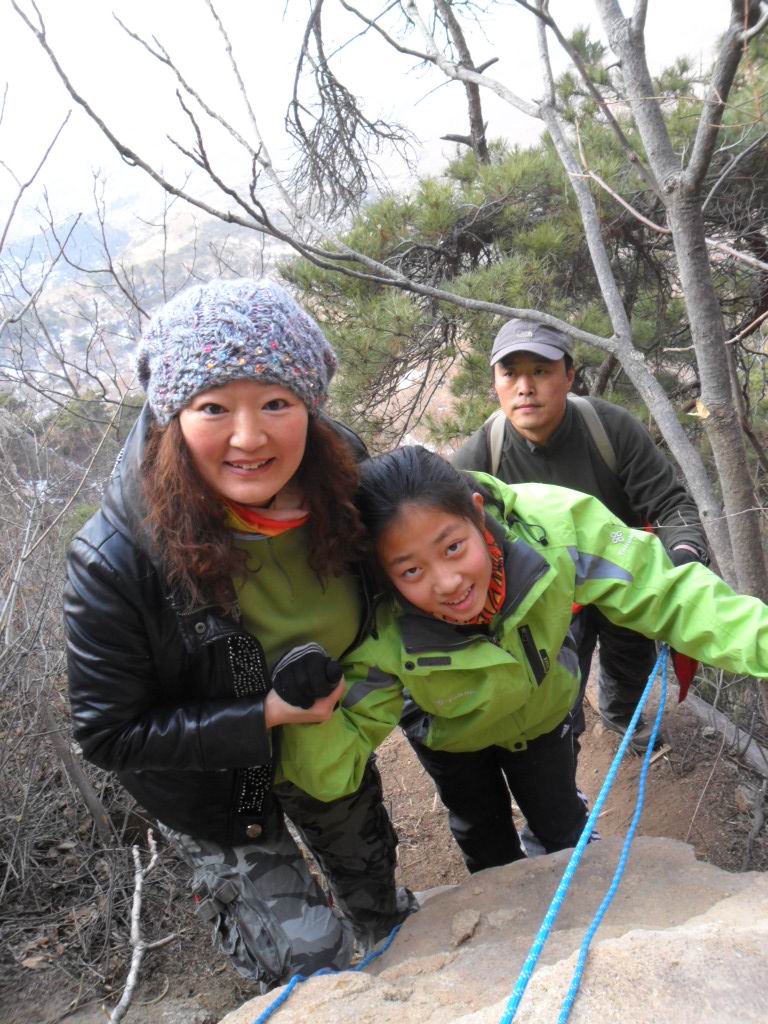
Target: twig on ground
x=704, y=789
x=140, y=947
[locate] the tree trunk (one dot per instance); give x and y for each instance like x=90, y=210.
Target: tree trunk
x=721, y=420
x=633, y=361
x=474, y=103
x=607, y=367
x=680, y=193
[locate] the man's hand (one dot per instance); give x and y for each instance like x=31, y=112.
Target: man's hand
x=304, y=675
x=278, y=712
x=685, y=553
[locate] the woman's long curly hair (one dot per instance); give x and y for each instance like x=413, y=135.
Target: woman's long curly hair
x=188, y=523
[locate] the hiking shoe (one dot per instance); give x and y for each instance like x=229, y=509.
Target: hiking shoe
x=641, y=737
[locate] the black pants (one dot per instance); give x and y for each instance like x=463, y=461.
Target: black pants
x=475, y=787
x=626, y=661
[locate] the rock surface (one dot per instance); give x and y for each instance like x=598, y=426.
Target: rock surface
x=682, y=941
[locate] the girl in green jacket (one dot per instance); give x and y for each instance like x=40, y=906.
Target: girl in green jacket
x=470, y=647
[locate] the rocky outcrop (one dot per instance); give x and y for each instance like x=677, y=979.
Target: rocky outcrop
x=682, y=942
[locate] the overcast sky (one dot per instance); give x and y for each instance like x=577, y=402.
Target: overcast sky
x=136, y=96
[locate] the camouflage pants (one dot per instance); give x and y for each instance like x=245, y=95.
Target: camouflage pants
x=267, y=912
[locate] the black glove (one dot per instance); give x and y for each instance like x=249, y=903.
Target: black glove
x=682, y=556
x=304, y=675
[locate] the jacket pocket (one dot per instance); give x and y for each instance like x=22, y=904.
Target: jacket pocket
x=537, y=659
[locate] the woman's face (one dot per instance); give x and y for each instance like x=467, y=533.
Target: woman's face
x=438, y=561
x=246, y=439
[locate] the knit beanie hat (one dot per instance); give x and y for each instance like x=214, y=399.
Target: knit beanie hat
x=221, y=331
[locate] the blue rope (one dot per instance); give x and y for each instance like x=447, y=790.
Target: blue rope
x=562, y=889
x=565, y=1010
x=275, y=1005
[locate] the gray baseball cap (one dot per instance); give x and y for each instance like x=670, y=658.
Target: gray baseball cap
x=529, y=336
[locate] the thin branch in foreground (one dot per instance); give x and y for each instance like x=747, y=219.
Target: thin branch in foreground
x=732, y=166
x=748, y=330
x=140, y=947
x=26, y=184
x=541, y=11
x=712, y=243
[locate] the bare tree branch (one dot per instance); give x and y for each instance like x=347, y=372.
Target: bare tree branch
x=338, y=140
x=461, y=74
x=732, y=167
x=373, y=23
x=757, y=28
x=30, y=181
x=18, y=314
x=639, y=15
x=541, y=10
x=712, y=243
x=56, y=519
x=719, y=87
x=748, y=329
x=645, y=108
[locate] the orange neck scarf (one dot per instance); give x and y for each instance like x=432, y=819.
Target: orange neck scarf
x=262, y=521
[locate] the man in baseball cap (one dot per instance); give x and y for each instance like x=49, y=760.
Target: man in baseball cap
x=595, y=447
x=541, y=359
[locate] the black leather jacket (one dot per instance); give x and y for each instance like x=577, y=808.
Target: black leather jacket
x=170, y=699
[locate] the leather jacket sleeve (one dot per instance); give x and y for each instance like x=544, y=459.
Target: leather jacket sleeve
x=140, y=698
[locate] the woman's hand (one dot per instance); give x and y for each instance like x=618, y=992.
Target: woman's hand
x=279, y=712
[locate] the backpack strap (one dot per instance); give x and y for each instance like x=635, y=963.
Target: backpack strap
x=495, y=433
x=596, y=429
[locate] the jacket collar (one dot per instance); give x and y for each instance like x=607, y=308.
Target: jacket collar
x=123, y=503
x=523, y=566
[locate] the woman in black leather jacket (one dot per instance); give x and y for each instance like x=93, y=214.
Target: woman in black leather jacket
x=223, y=554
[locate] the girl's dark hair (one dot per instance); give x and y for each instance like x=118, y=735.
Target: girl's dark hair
x=188, y=523
x=411, y=476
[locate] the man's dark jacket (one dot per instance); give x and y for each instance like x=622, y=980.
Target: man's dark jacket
x=170, y=698
x=644, y=489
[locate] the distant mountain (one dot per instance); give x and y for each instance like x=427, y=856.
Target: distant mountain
x=84, y=246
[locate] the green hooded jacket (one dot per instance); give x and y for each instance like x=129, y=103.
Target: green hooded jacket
x=517, y=679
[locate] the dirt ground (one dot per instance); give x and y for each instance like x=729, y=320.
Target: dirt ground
x=695, y=793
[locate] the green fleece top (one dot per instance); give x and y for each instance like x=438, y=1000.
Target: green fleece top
x=285, y=603
x=644, y=489
x=510, y=683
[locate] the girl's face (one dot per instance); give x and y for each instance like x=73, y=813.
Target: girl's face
x=246, y=439
x=438, y=561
